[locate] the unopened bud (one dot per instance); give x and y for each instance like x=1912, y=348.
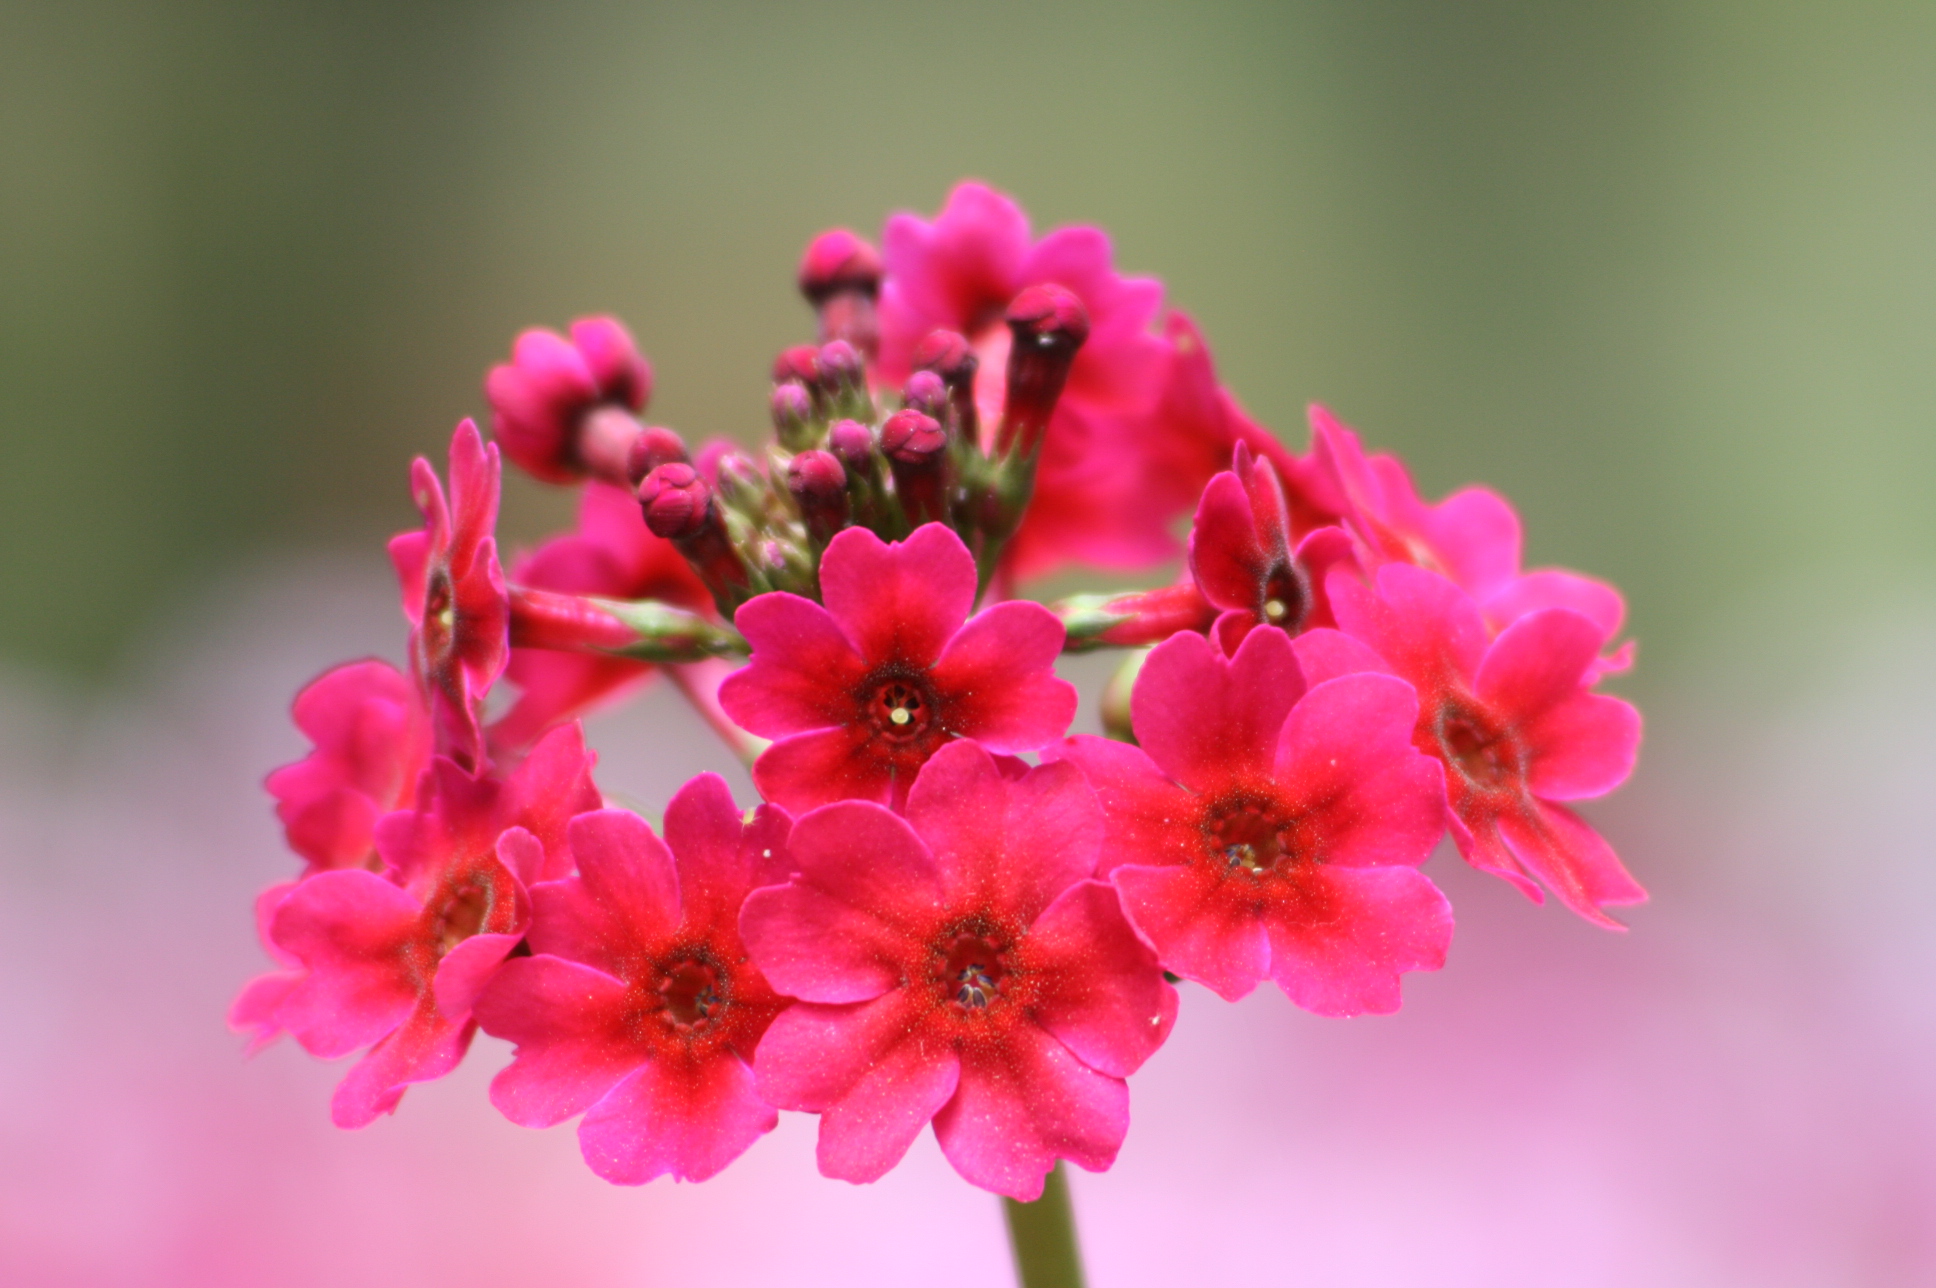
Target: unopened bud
x=852, y=442
x=839, y=260
x=798, y=363
x=841, y=367
x=916, y=447
x=1049, y=324
x=655, y=446
x=949, y=355
x=926, y=393
x=740, y=482
x=792, y=410
x=676, y=501
x=819, y=485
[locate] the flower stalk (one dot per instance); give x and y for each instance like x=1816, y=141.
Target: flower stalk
x=1042, y=1235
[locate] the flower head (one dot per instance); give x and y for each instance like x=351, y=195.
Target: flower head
x=1263, y=830
x=1242, y=556
x=371, y=737
x=453, y=592
x=862, y=691
x=961, y=966
x=548, y=402
x=639, y=1008
x=1512, y=720
x=612, y=554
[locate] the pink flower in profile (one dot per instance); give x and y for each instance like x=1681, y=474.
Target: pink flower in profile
x=612, y=554
x=1243, y=561
x=959, y=273
x=1511, y=718
x=371, y=737
x=1266, y=831
x=640, y=1009
x=394, y=961
x=453, y=592
x=1471, y=537
x=861, y=692
x=961, y=966
x=543, y=398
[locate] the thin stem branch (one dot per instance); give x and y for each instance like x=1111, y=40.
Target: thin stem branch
x=1042, y=1235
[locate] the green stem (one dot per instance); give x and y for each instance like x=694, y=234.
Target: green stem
x=1043, y=1237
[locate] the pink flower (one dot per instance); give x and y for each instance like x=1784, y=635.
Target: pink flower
x=1471, y=537
x=394, y=961
x=861, y=692
x=1266, y=831
x=255, y=1008
x=371, y=739
x=1243, y=561
x=453, y=592
x=959, y=966
x=959, y=273
x=545, y=400
x=612, y=554
x=1511, y=719
x=640, y=1008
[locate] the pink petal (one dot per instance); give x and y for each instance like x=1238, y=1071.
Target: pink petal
x=1205, y=720
x=900, y=602
x=997, y=679
x=349, y=928
x=1022, y=1105
x=1226, y=557
x=1424, y=626
x=253, y=1012
x=628, y=872
x=467, y=968
x=1104, y=996
x=1346, y=764
x=1326, y=654
x=1009, y=845
x=1340, y=948
x=813, y=946
x=1594, y=600
x=1579, y=867
x=552, y=785
x=684, y=1119
x=410, y=556
x=474, y=490
x=803, y=669
x=705, y=831
x=1539, y=660
x=808, y=770
x=426, y=1047
x=568, y=1021
x=1198, y=927
x=1581, y=747
x=1147, y=818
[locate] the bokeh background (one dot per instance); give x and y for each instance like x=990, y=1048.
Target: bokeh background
x=1663, y=273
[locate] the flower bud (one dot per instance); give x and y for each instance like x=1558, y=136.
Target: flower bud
x=741, y=484
x=926, y=393
x=948, y=355
x=819, y=486
x=798, y=363
x=852, y=442
x=1049, y=324
x=655, y=446
x=841, y=277
x=676, y=501
x=840, y=366
x=791, y=407
x=916, y=447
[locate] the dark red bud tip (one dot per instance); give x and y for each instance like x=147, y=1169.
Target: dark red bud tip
x=1048, y=316
x=791, y=407
x=840, y=365
x=655, y=446
x=816, y=478
x=839, y=260
x=913, y=438
x=676, y=501
x=926, y=393
x=797, y=363
x=852, y=442
x=948, y=355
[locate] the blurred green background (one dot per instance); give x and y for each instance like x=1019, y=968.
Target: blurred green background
x=1664, y=274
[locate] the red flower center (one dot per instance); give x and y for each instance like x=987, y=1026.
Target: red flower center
x=691, y=995
x=439, y=618
x=971, y=969
x=1487, y=757
x=901, y=708
x=1246, y=834
x=1286, y=597
x=461, y=913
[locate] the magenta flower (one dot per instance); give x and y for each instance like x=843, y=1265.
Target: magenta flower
x=1263, y=830
x=371, y=739
x=545, y=402
x=453, y=592
x=961, y=966
x=394, y=961
x=1243, y=561
x=254, y=1011
x=640, y=1008
x=612, y=554
x=1471, y=537
x=959, y=273
x=861, y=692
x=1511, y=719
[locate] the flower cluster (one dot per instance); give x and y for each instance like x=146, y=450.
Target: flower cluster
x=945, y=910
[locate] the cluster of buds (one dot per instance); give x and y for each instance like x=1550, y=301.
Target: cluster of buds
x=945, y=909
